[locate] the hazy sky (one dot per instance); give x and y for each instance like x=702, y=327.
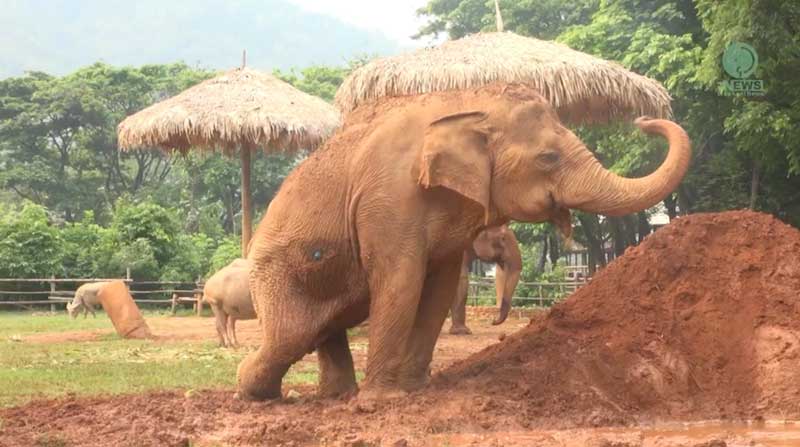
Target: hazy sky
x=394, y=18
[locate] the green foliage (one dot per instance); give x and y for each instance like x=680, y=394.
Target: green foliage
x=317, y=80
x=83, y=248
x=149, y=223
x=225, y=253
x=29, y=245
x=194, y=258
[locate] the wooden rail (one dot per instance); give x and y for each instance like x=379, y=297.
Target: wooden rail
x=61, y=297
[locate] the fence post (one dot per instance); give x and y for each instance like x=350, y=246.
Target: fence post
x=199, y=298
x=52, y=289
x=127, y=274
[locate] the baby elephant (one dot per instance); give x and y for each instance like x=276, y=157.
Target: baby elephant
x=494, y=244
x=85, y=298
x=228, y=294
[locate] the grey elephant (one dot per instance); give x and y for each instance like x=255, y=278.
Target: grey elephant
x=228, y=293
x=86, y=297
x=375, y=223
x=494, y=244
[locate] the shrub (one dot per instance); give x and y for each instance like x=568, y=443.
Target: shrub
x=229, y=249
x=29, y=245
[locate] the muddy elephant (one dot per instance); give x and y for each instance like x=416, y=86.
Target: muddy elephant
x=228, y=293
x=494, y=244
x=375, y=223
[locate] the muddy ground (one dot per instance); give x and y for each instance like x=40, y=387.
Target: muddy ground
x=214, y=418
x=690, y=339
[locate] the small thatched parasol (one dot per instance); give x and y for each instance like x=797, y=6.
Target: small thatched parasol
x=243, y=110
x=581, y=87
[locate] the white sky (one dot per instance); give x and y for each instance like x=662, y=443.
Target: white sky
x=394, y=18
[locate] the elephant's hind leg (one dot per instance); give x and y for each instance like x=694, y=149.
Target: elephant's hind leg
x=337, y=374
x=437, y=296
x=222, y=327
x=232, y=341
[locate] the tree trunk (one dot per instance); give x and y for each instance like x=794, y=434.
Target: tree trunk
x=684, y=201
x=617, y=236
x=231, y=220
x=589, y=226
x=644, y=225
x=671, y=204
x=543, y=257
x=554, y=251
x=754, y=183
x=247, y=224
x=631, y=230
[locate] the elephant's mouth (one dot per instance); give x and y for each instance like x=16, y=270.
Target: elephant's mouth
x=560, y=217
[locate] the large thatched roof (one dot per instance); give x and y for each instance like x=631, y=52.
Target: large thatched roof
x=242, y=108
x=583, y=88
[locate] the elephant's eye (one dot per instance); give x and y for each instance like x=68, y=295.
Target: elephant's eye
x=317, y=254
x=549, y=157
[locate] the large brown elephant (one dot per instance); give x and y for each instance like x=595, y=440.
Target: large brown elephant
x=374, y=224
x=494, y=244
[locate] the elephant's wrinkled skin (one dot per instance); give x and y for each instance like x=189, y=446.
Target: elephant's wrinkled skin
x=228, y=293
x=498, y=245
x=375, y=224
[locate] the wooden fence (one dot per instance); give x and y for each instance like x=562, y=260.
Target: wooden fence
x=480, y=292
x=142, y=292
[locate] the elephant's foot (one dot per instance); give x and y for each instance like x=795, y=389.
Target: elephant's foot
x=417, y=380
x=337, y=385
x=460, y=330
x=370, y=397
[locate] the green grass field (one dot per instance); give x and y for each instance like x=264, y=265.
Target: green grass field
x=110, y=365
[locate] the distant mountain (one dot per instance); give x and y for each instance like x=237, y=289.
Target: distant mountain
x=58, y=36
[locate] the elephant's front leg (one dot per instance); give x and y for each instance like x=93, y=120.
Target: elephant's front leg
x=458, y=311
x=395, y=289
x=337, y=374
x=437, y=295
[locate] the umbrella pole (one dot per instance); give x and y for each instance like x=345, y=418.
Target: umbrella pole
x=247, y=225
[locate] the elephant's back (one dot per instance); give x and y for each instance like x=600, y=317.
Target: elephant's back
x=89, y=292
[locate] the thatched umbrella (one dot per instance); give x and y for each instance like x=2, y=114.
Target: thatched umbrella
x=242, y=110
x=583, y=88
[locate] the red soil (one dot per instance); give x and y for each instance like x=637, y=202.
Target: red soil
x=700, y=321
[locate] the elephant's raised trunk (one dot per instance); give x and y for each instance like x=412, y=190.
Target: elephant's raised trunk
x=597, y=190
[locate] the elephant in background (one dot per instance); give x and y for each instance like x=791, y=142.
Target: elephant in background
x=228, y=293
x=498, y=245
x=86, y=297
x=375, y=223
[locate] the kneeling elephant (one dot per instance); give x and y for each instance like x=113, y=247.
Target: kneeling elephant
x=375, y=223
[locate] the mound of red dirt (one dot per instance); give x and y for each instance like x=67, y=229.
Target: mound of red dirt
x=700, y=321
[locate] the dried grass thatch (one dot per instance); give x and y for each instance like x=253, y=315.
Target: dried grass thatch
x=242, y=108
x=581, y=87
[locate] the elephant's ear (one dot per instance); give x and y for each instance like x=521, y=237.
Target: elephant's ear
x=455, y=155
